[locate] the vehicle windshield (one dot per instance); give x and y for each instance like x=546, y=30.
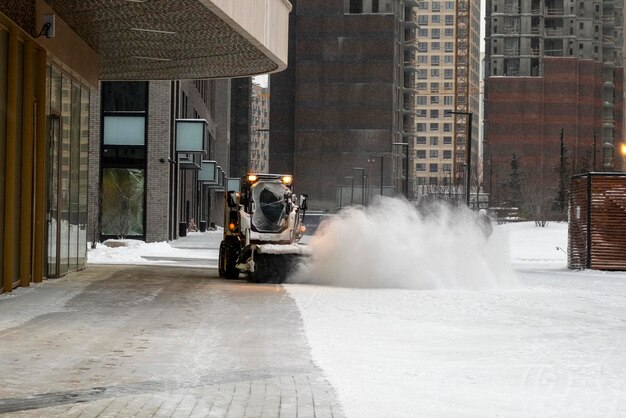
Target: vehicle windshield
x=271, y=208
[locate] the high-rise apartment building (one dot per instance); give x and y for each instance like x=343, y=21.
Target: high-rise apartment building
x=342, y=114
x=448, y=80
x=259, y=129
x=554, y=70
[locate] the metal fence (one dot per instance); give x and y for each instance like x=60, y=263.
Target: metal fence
x=597, y=221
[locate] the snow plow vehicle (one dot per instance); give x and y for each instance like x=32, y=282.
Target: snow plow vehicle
x=262, y=227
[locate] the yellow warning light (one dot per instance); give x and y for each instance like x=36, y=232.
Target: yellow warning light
x=252, y=178
x=231, y=226
x=286, y=179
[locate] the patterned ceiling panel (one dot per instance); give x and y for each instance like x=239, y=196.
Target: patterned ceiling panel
x=196, y=44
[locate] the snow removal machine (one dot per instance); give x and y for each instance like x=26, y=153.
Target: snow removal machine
x=262, y=226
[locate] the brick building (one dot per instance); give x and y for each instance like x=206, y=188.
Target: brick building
x=552, y=65
x=345, y=99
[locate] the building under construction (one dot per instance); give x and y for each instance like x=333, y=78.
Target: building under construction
x=554, y=90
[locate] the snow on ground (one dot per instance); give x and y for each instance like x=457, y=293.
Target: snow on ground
x=201, y=246
x=531, y=339
x=552, y=346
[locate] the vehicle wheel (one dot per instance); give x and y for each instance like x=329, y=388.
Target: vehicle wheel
x=231, y=254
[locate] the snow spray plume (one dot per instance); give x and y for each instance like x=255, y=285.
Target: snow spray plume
x=393, y=245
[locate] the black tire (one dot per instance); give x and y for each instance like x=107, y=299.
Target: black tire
x=231, y=254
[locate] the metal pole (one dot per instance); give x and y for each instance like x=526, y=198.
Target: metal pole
x=468, y=181
x=595, y=134
x=352, y=193
x=382, y=158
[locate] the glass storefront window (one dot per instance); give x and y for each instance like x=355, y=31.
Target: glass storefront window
x=122, y=202
x=67, y=173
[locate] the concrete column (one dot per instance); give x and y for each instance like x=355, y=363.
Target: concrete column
x=26, y=204
x=40, y=167
x=10, y=167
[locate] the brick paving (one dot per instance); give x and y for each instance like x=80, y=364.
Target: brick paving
x=145, y=341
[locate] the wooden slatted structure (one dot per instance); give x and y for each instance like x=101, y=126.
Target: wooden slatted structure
x=597, y=221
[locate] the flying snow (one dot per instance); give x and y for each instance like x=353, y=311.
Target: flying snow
x=391, y=244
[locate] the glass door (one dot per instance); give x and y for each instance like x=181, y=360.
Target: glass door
x=54, y=190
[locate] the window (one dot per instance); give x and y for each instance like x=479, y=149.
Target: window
x=434, y=113
x=435, y=19
x=448, y=32
x=449, y=20
x=421, y=113
x=435, y=46
x=422, y=86
x=421, y=181
x=432, y=181
x=447, y=127
x=356, y=6
x=435, y=34
x=421, y=154
x=449, y=5
x=124, y=130
x=422, y=100
x=434, y=99
x=434, y=126
x=421, y=140
x=433, y=153
x=421, y=127
x=422, y=59
x=447, y=140
x=448, y=46
x=420, y=167
x=448, y=100
x=434, y=73
x=422, y=20
x=434, y=60
x=448, y=74
x=448, y=59
x=422, y=74
x=422, y=33
x=422, y=46
x=448, y=86
x=447, y=155
x=434, y=140
x=433, y=168
x=435, y=6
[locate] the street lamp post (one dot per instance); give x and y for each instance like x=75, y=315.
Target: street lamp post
x=406, y=182
x=468, y=136
x=362, y=169
x=382, y=158
x=351, y=190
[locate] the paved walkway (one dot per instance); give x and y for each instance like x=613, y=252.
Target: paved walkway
x=156, y=341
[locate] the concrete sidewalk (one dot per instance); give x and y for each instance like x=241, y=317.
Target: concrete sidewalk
x=121, y=341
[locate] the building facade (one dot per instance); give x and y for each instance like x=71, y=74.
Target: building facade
x=259, y=129
x=149, y=190
x=337, y=112
x=555, y=76
x=53, y=55
x=448, y=80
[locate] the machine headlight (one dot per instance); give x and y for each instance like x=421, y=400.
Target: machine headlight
x=252, y=178
x=286, y=180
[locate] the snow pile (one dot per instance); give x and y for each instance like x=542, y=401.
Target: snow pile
x=390, y=244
